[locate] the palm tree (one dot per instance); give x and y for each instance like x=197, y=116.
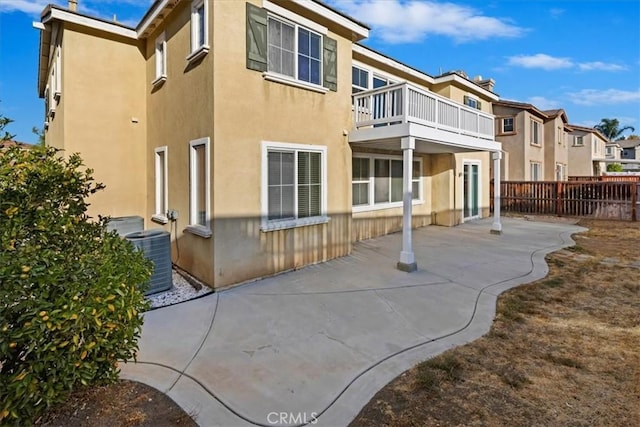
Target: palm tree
x=611, y=128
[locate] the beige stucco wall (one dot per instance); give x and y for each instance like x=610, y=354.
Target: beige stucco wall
x=556, y=150
x=457, y=93
x=102, y=93
x=179, y=111
x=268, y=111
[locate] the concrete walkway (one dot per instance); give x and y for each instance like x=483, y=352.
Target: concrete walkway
x=316, y=344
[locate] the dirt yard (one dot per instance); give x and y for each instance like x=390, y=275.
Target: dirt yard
x=563, y=351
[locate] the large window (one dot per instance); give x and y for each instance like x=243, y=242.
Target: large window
x=536, y=171
x=199, y=29
x=199, y=187
x=536, y=132
x=294, y=51
x=294, y=190
x=377, y=181
x=162, y=196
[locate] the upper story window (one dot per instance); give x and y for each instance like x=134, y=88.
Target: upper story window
x=359, y=79
x=472, y=102
x=578, y=140
x=294, y=51
x=290, y=49
x=536, y=132
x=294, y=185
x=161, y=59
x=199, y=29
x=508, y=125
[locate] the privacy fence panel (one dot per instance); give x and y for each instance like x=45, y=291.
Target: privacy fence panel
x=588, y=199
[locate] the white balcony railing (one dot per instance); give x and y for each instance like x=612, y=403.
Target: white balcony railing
x=407, y=103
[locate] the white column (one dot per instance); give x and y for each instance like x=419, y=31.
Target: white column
x=496, y=228
x=407, y=258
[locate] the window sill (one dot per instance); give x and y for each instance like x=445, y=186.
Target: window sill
x=367, y=208
x=159, y=81
x=160, y=219
x=507, y=133
x=533, y=144
x=198, y=53
x=198, y=230
x=293, y=223
x=280, y=78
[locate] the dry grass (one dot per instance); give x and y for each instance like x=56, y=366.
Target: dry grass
x=563, y=351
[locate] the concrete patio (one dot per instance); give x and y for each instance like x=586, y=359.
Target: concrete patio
x=313, y=346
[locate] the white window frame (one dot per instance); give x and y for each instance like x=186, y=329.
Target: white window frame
x=194, y=227
x=357, y=87
x=199, y=50
x=578, y=141
x=56, y=75
x=538, y=167
x=535, y=137
x=472, y=162
x=372, y=206
x=161, y=60
x=471, y=102
x=162, y=186
x=272, y=225
x=294, y=80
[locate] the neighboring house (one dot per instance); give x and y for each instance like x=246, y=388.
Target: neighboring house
x=12, y=143
x=556, y=150
x=587, y=153
x=520, y=128
x=613, y=151
x=630, y=151
x=232, y=125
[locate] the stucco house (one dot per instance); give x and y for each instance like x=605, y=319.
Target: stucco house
x=534, y=141
x=587, y=153
x=613, y=151
x=261, y=134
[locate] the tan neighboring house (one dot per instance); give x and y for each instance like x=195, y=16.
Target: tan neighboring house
x=232, y=125
x=613, y=151
x=520, y=128
x=556, y=147
x=587, y=153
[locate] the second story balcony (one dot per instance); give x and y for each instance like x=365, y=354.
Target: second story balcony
x=405, y=110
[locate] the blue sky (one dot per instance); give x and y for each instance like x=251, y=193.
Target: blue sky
x=583, y=56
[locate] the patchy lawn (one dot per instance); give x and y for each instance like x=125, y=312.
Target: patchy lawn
x=563, y=351
x=124, y=404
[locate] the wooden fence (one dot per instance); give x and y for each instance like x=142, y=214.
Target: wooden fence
x=590, y=199
x=607, y=178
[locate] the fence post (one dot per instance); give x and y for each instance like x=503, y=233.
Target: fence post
x=634, y=201
x=559, y=198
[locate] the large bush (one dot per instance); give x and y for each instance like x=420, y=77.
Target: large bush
x=70, y=294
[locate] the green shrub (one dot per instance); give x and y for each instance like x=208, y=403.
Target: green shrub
x=70, y=299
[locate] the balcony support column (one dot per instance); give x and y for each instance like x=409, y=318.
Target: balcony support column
x=407, y=258
x=496, y=228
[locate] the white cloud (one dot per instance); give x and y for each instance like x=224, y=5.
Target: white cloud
x=540, y=60
x=600, y=66
x=598, y=97
x=556, y=12
x=398, y=21
x=543, y=103
x=26, y=6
